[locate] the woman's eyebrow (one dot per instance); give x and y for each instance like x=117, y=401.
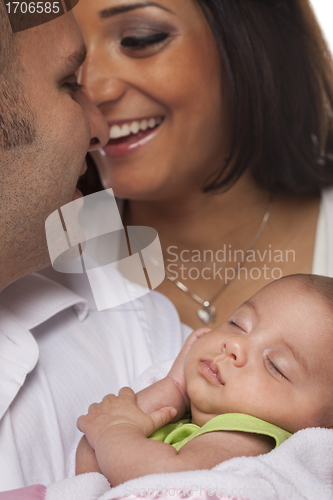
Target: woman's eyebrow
x=114, y=11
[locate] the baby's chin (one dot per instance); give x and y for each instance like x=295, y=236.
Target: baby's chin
x=201, y=418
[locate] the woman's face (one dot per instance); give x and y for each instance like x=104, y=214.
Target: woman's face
x=153, y=69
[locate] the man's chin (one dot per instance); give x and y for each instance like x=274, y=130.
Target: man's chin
x=77, y=194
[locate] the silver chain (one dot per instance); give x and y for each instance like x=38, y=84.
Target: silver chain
x=207, y=314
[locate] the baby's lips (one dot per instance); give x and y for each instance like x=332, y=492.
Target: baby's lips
x=218, y=374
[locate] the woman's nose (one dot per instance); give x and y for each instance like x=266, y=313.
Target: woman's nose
x=101, y=78
x=235, y=348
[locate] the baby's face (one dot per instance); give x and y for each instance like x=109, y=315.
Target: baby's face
x=272, y=359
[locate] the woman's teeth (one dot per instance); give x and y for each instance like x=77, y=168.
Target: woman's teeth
x=134, y=127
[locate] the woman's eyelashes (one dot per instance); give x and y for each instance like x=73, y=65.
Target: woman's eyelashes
x=142, y=42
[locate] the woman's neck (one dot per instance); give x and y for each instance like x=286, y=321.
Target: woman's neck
x=204, y=220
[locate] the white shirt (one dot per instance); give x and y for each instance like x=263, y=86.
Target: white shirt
x=57, y=358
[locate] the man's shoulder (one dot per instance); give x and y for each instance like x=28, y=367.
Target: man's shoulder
x=34, y=299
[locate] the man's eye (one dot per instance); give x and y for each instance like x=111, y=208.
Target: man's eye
x=274, y=368
x=74, y=86
x=137, y=43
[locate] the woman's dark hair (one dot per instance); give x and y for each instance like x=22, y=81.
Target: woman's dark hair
x=280, y=74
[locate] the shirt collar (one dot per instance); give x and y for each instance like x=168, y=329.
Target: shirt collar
x=35, y=299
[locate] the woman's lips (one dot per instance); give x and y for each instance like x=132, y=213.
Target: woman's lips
x=119, y=147
x=210, y=371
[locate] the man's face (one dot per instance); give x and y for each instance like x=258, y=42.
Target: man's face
x=37, y=179
x=272, y=360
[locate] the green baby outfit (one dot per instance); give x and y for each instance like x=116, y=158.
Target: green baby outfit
x=184, y=431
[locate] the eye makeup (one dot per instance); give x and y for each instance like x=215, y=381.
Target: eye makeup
x=142, y=24
x=143, y=41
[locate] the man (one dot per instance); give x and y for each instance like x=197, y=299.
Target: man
x=47, y=125
x=56, y=356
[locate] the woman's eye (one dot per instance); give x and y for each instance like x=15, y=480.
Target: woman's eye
x=141, y=42
x=274, y=368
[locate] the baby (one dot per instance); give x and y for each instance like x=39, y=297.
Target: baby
x=250, y=383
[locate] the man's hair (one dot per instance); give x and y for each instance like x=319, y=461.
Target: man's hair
x=16, y=118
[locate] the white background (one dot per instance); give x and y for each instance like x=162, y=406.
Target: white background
x=324, y=12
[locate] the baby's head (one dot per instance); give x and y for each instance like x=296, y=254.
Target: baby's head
x=272, y=359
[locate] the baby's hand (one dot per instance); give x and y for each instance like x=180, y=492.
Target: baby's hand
x=177, y=372
x=121, y=410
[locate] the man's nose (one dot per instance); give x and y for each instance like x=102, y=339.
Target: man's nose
x=99, y=130
x=235, y=348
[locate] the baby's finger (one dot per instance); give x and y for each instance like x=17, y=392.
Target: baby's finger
x=86, y=427
x=80, y=423
x=161, y=417
x=194, y=337
x=127, y=392
x=109, y=397
x=91, y=407
x=198, y=333
x=202, y=331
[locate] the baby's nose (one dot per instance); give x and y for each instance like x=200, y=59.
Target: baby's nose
x=235, y=349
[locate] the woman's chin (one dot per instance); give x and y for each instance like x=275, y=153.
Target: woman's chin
x=132, y=192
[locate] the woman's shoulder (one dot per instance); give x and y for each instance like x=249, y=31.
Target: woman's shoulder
x=327, y=194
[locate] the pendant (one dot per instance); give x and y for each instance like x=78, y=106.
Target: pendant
x=207, y=315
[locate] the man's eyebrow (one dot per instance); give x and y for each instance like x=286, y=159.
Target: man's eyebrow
x=114, y=11
x=76, y=59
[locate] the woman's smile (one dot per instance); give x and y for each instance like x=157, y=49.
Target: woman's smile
x=127, y=136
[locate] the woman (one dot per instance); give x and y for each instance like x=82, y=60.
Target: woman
x=221, y=138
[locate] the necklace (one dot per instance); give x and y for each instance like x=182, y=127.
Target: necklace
x=207, y=312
